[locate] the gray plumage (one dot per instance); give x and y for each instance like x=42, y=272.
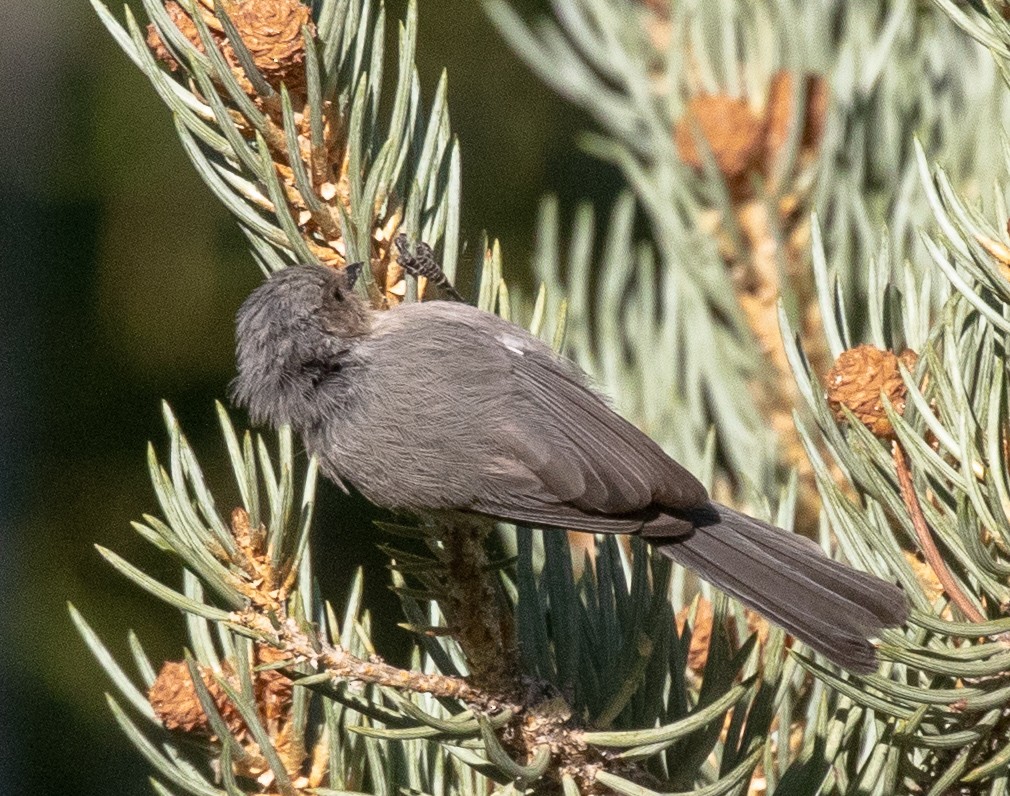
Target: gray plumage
x=440, y=406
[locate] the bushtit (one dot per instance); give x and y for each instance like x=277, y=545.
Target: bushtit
x=440, y=406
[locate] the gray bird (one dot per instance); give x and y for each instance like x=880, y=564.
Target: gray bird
x=441, y=406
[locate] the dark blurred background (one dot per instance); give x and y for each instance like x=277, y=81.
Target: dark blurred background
x=120, y=278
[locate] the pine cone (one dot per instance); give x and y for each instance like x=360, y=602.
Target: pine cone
x=779, y=110
x=661, y=8
x=272, y=32
x=701, y=633
x=173, y=697
x=857, y=379
x=732, y=130
x=925, y=574
x=186, y=27
x=270, y=29
x=273, y=690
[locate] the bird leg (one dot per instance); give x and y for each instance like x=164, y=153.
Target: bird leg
x=422, y=262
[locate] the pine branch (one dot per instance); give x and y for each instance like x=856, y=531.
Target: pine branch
x=933, y=556
x=234, y=697
x=866, y=282
x=577, y=676
x=942, y=422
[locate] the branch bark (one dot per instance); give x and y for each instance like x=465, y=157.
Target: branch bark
x=929, y=549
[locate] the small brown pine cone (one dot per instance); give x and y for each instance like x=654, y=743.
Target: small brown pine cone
x=858, y=378
x=758, y=625
x=173, y=697
x=272, y=688
x=701, y=633
x=661, y=8
x=272, y=32
x=186, y=27
x=779, y=109
x=733, y=132
x=925, y=574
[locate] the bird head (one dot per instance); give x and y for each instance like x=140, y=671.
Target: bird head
x=290, y=334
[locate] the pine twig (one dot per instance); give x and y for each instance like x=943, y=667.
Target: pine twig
x=342, y=665
x=475, y=607
x=929, y=549
x=267, y=616
x=541, y=725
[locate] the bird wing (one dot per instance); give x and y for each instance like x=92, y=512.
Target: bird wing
x=546, y=450
x=585, y=466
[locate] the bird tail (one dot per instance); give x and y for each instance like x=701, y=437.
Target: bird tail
x=786, y=577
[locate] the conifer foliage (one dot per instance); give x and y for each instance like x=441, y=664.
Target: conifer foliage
x=815, y=316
